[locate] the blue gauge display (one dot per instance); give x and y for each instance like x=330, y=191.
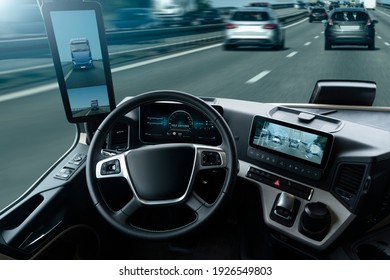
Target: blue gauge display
x=171, y=122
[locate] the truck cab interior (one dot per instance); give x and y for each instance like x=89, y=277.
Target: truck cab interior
x=165, y=174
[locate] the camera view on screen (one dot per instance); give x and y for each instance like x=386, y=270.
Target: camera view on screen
x=77, y=39
x=291, y=141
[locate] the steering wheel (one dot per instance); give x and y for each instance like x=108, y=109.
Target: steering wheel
x=161, y=174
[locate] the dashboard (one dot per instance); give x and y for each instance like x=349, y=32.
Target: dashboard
x=317, y=169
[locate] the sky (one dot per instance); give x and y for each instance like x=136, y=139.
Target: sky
x=75, y=24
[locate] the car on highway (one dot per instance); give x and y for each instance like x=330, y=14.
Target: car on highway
x=300, y=5
x=137, y=18
x=294, y=143
x=252, y=26
x=170, y=15
x=260, y=4
x=277, y=140
x=210, y=16
x=318, y=14
x=171, y=152
x=350, y=26
x=314, y=149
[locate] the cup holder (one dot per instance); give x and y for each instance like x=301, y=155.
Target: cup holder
x=315, y=221
x=375, y=246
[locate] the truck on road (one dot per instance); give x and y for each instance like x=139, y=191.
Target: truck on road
x=81, y=53
x=370, y=4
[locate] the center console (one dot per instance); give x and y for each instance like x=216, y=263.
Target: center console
x=289, y=141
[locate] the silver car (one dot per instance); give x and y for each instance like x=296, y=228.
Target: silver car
x=253, y=26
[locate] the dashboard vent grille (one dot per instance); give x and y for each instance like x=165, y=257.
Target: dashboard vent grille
x=119, y=136
x=349, y=179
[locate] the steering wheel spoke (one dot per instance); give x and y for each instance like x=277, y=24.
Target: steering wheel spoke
x=130, y=207
x=112, y=167
x=210, y=157
x=194, y=203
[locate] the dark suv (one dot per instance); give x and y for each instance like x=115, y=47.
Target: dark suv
x=318, y=14
x=350, y=26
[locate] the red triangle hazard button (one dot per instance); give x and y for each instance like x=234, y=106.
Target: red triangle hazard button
x=276, y=183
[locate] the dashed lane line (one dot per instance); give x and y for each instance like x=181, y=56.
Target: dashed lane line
x=258, y=77
x=291, y=54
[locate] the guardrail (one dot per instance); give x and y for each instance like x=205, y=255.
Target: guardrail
x=173, y=38
x=132, y=36
x=168, y=37
x=387, y=6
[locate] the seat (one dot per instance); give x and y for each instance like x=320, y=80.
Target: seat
x=350, y=16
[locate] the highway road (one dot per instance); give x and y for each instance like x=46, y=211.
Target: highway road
x=34, y=131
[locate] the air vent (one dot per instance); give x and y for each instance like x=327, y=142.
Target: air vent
x=119, y=137
x=348, y=181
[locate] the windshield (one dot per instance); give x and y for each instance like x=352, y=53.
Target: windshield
x=250, y=16
x=316, y=10
x=79, y=47
x=350, y=16
x=182, y=53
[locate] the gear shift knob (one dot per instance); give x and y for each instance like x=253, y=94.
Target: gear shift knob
x=285, y=205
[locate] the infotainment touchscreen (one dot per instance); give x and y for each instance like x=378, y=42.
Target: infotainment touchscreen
x=290, y=141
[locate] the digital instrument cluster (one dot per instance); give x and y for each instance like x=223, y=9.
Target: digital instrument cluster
x=166, y=122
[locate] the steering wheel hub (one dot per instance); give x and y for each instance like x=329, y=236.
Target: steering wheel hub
x=167, y=182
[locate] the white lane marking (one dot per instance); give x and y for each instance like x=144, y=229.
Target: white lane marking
x=54, y=86
x=150, y=61
x=293, y=24
x=23, y=40
x=292, y=54
x=13, y=71
x=383, y=13
x=307, y=43
x=162, y=46
x=28, y=92
x=316, y=37
x=387, y=44
x=68, y=75
x=379, y=37
x=258, y=77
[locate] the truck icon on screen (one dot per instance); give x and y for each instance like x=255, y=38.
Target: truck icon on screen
x=81, y=53
x=94, y=105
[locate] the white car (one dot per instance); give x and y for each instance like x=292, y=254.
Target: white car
x=254, y=27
